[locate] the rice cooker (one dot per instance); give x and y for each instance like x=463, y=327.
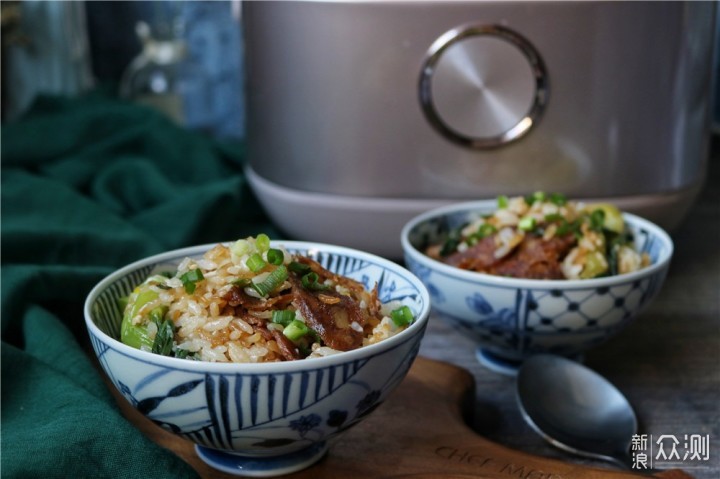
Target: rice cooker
x=362, y=114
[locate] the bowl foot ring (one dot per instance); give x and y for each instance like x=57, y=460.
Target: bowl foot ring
x=498, y=364
x=507, y=366
x=270, y=466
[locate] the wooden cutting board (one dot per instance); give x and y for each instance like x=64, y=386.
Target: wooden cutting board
x=417, y=433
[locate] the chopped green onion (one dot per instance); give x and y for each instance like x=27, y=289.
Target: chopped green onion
x=502, y=201
x=558, y=199
x=273, y=280
x=553, y=217
x=538, y=196
x=275, y=256
x=240, y=248
x=569, y=227
x=190, y=278
x=262, y=243
x=310, y=281
x=402, y=316
x=452, y=241
x=485, y=230
x=192, y=275
x=315, y=337
x=527, y=223
x=295, y=330
x=255, y=262
x=296, y=267
x=597, y=219
x=284, y=317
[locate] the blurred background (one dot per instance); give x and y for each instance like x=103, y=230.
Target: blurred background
x=622, y=123
x=182, y=57
x=185, y=57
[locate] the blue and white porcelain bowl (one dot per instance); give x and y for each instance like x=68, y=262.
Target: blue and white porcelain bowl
x=260, y=419
x=512, y=318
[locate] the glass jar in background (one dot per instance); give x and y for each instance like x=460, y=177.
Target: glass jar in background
x=190, y=66
x=156, y=75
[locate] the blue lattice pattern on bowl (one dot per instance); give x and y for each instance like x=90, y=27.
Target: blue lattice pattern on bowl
x=512, y=318
x=259, y=410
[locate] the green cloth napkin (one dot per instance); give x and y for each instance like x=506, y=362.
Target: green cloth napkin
x=88, y=185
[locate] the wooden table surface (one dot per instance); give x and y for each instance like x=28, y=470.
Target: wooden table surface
x=667, y=362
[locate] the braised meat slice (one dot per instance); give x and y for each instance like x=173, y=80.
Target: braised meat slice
x=238, y=297
x=331, y=315
x=536, y=258
x=324, y=274
x=288, y=350
x=533, y=258
x=479, y=257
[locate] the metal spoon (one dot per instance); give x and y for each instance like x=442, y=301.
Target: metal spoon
x=576, y=409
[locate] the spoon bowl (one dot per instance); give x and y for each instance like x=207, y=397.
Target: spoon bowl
x=576, y=409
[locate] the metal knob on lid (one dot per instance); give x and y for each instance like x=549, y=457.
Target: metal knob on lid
x=483, y=86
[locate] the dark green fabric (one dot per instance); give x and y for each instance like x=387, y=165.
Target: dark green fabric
x=89, y=185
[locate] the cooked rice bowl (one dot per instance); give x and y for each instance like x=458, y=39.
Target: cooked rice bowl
x=269, y=417
x=249, y=302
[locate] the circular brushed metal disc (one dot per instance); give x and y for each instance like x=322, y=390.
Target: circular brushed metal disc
x=483, y=87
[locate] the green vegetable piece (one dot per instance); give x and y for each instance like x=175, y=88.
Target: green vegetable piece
x=569, y=227
x=163, y=342
x=558, y=199
x=242, y=282
x=554, y=217
x=158, y=314
x=262, y=243
x=122, y=303
x=310, y=281
x=273, y=280
x=275, y=256
x=527, y=223
x=452, y=241
x=131, y=334
x=192, y=275
x=502, y=201
x=402, y=316
x=284, y=317
x=300, y=268
x=240, y=248
x=595, y=265
x=134, y=336
x=183, y=354
x=190, y=278
x=613, y=219
x=597, y=219
x=538, y=196
x=486, y=230
x=255, y=262
x=295, y=330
